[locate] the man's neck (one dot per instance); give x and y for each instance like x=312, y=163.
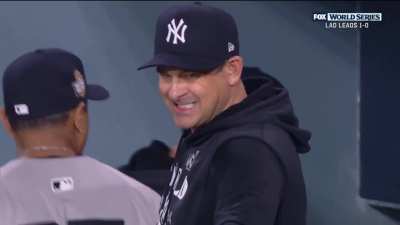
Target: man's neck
x=45, y=143
x=46, y=151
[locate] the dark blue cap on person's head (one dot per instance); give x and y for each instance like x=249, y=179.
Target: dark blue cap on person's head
x=46, y=82
x=194, y=37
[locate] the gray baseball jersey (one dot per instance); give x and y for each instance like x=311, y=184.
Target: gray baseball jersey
x=75, y=190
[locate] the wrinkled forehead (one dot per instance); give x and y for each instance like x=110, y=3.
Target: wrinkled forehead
x=169, y=69
x=182, y=71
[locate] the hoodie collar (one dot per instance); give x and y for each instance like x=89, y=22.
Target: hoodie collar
x=267, y=102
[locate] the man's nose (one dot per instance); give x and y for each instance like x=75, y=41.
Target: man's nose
x=178, y=88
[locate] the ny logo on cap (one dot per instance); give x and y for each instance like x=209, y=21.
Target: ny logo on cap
x=173, y=29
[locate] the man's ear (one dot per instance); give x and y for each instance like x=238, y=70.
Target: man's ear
x=6, y=123
x=79, y=116
x=234, y=67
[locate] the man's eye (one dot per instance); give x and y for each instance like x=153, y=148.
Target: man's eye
x=193, y=75
x=164, y=75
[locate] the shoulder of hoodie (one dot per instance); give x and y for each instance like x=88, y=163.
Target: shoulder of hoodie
x=266, y=135
x=246, y=149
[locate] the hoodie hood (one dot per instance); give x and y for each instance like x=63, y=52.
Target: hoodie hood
x=267, y=102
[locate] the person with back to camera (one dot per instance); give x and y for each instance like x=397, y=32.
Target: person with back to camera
x=52, y=182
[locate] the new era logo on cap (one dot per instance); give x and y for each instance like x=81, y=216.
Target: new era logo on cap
x=231, y=47
x=21, y=109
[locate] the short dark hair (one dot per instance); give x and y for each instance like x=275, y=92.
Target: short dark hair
x=51, y=120
x=153, y=156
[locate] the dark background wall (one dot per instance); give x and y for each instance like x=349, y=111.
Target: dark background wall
x=379, y=111
x=320, y=67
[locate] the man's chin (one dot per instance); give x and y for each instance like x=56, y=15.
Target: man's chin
x=183, y=124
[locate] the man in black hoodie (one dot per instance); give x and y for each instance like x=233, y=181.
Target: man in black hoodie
x=237, y=162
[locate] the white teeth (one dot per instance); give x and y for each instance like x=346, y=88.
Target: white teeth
x=186, y=106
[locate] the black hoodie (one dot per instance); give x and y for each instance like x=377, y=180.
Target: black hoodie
x=243, y=166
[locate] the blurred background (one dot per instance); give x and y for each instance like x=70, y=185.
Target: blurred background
x=321, y=68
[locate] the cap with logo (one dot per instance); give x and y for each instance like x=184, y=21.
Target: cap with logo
x=46, y=82
x=194, y=37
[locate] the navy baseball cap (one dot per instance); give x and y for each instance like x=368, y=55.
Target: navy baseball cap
x=194, y=37
x=46, y=82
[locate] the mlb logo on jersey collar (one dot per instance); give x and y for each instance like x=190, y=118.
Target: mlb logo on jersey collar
x=62, y=184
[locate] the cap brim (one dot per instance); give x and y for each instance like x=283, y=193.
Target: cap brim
x=96, y=92
x=191, y=63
